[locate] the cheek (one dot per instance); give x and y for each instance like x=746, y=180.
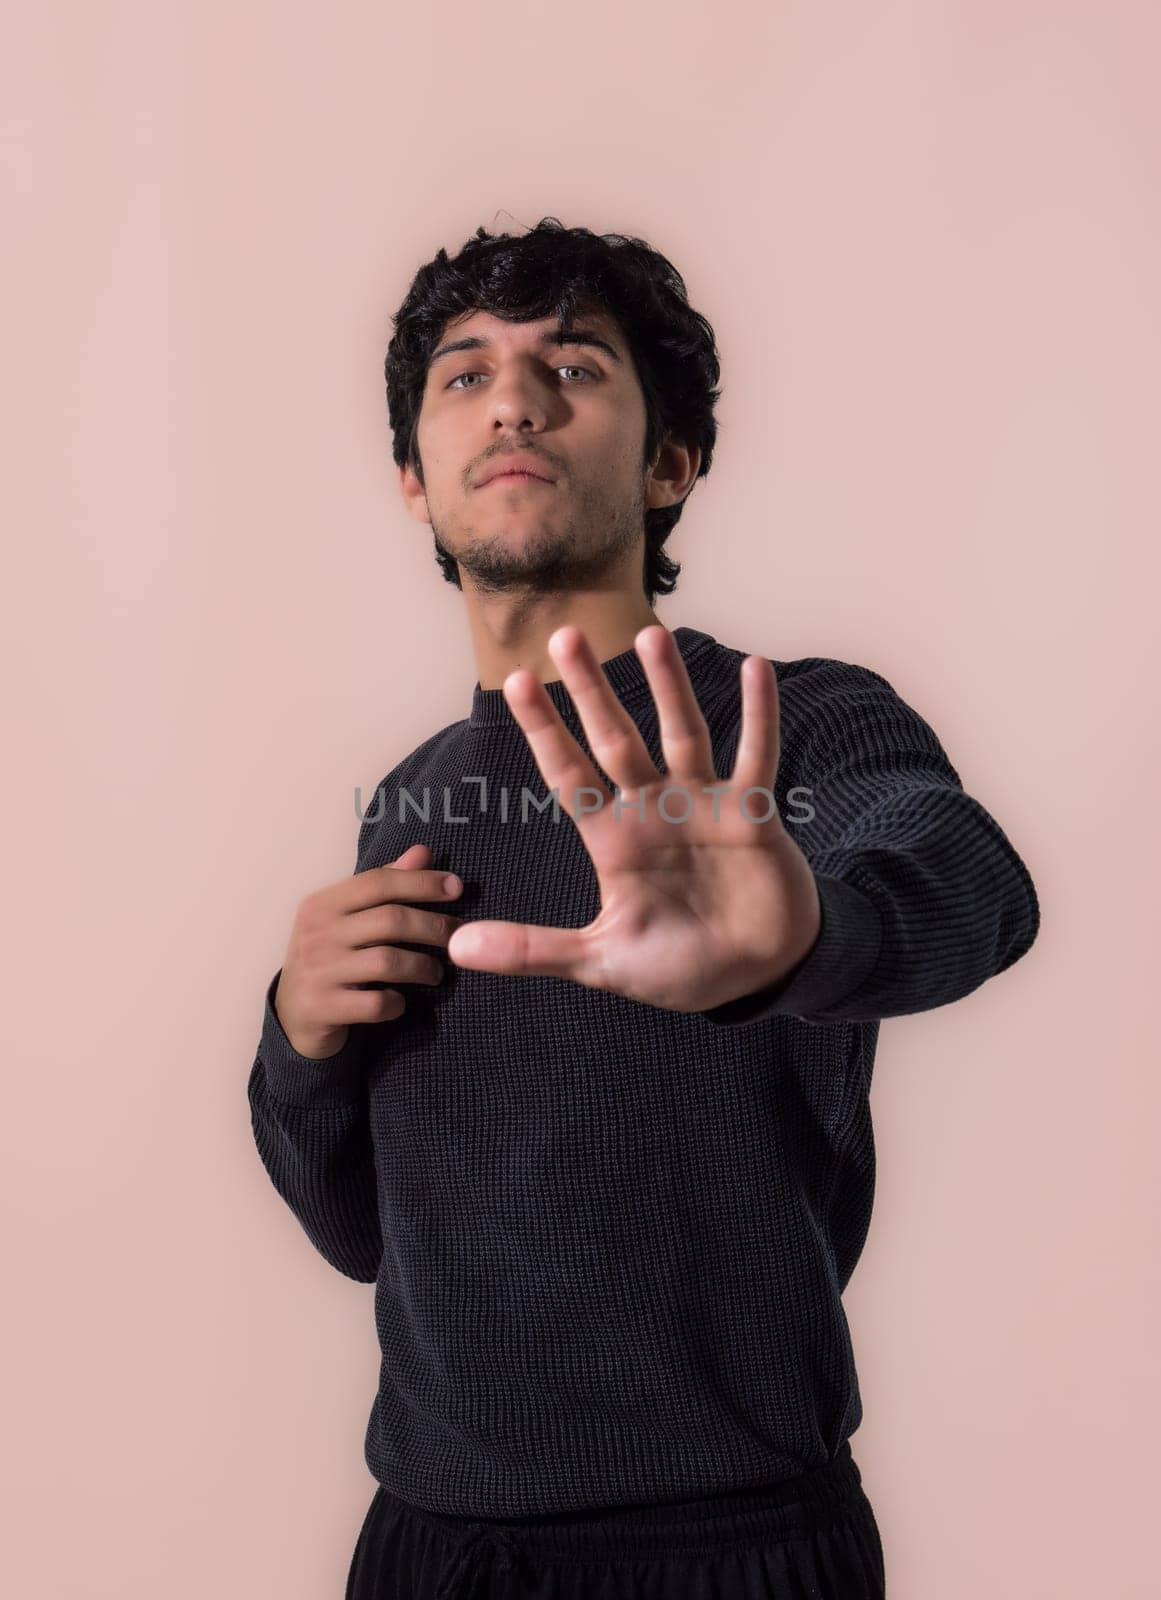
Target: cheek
x=435, y=428
x=626, y=468
x=436, y=449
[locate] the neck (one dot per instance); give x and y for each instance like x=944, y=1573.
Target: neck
x=512, y=631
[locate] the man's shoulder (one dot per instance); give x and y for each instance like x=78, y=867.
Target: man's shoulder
x=429, y=751
x=826, y=703
x=409, y=774
x=807, y=677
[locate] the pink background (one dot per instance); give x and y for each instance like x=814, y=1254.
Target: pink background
x=927, y=238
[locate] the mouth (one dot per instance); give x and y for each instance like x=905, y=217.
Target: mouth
x=514, y=478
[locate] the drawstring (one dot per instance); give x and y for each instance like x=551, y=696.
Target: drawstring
x=504, y=1545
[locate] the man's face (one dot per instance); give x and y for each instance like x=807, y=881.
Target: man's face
x=572, y=411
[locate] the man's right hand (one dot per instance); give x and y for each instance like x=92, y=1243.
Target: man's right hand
x=344, y=935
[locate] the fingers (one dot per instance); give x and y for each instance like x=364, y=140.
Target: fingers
x=563, y=765
x=386, y=964
x=381, y=885
x=685, y=737
x=396, y=924
x=758, y=740
x=612, y=734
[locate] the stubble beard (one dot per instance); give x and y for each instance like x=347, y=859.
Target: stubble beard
x=548, y=560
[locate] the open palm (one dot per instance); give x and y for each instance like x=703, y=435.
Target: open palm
x=700, y=902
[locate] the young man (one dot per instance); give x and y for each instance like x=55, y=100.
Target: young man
x=594, y=1115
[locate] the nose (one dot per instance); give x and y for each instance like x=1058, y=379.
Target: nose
x=517, y=399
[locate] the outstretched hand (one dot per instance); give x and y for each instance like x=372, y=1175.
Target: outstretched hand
x=700, y=903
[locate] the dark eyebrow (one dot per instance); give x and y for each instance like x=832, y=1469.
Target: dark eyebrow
x=557, y=336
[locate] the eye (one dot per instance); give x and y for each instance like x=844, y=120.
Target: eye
x=456, y=380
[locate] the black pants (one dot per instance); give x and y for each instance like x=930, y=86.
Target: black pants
x=812, y=1537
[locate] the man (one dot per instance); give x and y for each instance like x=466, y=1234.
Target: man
x=608, y=1156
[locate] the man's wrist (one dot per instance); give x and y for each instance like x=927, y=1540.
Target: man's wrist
x=835, y=967
x=770, y=988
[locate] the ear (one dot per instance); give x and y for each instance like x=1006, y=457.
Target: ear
x=414, y=497
x=673, y=475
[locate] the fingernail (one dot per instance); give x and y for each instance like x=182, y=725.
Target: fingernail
x=452, y=884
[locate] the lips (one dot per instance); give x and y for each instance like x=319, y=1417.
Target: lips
x=515, y=477
x=517, y=469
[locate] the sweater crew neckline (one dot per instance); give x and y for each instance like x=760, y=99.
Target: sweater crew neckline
x=625, y=672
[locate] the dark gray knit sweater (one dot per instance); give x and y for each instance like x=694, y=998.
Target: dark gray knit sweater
x=609, y=1241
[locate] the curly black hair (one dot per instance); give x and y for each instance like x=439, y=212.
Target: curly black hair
x=552, y=270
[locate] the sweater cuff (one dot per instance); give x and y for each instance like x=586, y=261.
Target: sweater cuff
x=836, y=965
x=300, y=1080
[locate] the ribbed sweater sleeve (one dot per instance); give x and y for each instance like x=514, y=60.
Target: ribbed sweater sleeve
x=312, y=1130
x=922, y=895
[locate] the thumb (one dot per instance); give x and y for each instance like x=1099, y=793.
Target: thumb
x=519, y=949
